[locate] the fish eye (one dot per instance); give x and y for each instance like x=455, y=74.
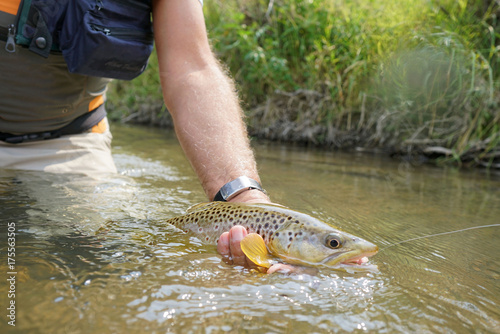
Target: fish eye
x=333, y=241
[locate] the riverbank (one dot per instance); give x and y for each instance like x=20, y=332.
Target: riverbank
x=418, y=80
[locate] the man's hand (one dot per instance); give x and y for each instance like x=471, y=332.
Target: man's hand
x=229, y=247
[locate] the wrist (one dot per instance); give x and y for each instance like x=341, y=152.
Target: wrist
x=239, y=186
x=251, y=196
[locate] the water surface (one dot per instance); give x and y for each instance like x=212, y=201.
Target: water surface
x=94, y=256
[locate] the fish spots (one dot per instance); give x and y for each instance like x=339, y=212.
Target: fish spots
x=266, y=225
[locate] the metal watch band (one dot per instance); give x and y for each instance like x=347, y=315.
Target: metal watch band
x=236, y=187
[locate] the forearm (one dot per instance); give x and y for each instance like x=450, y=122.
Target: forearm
x=209, y=125
x=201, y=99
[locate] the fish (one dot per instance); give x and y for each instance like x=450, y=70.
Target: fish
x=277, y=234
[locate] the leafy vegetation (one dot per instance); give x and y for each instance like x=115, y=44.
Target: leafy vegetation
x=419, y=77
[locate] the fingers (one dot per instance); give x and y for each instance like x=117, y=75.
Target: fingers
x=236, y=234
x=289, y=269
x=223, y=245
x=281, y=268
x=229, y=245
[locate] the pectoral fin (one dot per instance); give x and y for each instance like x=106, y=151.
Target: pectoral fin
x=255, y=249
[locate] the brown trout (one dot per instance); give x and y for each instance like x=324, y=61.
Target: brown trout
x=292, y=236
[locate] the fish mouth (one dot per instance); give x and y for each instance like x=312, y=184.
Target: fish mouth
x=360, y=259
x=351, y=258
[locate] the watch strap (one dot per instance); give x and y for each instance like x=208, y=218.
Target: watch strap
x=236, y=187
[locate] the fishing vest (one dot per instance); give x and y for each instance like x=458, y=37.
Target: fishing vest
x=57, y=57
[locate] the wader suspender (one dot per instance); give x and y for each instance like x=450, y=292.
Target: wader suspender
x=41, y=43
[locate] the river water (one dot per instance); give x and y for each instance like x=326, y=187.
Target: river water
x=94, y=256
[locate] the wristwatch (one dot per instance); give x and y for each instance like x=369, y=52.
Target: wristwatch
x=236, y=187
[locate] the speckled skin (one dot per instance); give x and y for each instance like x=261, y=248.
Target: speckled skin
x=288, y=234
x=209, y=220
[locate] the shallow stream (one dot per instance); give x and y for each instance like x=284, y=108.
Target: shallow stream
x=94, y=256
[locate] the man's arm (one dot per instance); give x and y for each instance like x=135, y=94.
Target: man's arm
x=202, y=99
x=205, y=108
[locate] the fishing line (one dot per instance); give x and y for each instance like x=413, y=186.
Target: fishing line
x=443, y=233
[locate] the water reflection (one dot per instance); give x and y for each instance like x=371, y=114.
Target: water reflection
x=95, y=255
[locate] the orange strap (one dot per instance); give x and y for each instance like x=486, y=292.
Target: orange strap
x=10, y=6
x=96, y=102
x=102, y=126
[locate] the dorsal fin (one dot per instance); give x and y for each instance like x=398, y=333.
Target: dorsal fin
x=200, y=206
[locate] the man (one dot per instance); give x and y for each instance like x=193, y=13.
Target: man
x=200, y=97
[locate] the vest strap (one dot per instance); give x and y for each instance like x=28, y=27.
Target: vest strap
x=41, y=43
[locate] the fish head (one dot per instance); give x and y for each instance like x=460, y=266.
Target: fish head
x=320, y=246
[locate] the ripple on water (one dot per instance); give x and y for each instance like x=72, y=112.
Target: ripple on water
x=95, y=256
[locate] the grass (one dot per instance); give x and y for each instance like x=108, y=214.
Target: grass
x=418, y=77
